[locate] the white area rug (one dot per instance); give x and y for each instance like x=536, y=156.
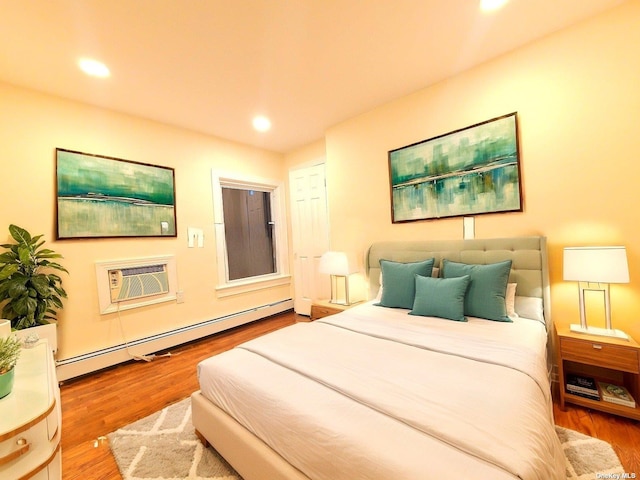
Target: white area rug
x=163, y=446
x=587, y=456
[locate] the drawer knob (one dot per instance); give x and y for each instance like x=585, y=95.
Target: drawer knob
x=597, y=346
x=23, y=447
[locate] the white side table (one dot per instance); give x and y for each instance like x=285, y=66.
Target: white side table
x=31, y=420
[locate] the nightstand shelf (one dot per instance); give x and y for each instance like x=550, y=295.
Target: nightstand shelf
x=604, y=359
x=324, y=308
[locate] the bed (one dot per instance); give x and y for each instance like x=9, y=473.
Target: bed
x=380, y=392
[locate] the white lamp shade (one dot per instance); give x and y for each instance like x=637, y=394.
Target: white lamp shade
x=596, y=264
x=335, y=263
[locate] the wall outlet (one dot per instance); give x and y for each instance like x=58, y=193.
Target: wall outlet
x=180, y=296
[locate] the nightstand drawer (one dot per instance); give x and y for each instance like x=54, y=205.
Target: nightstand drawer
x=600, y=354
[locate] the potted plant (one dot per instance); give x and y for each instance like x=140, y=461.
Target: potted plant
x=31, y=292
x=9, y=352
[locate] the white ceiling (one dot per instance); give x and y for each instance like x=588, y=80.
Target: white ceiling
x=211, y=65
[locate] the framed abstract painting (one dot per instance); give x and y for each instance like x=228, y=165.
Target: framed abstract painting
x=471, y=171
x=100, y=197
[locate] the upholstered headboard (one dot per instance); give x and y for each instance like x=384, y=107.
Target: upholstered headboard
x=529, y=267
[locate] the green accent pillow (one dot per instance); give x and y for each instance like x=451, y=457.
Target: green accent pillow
x=486, y=294
x=399, y=282
x=441, y=297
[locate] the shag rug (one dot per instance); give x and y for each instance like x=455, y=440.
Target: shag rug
x=164, y=446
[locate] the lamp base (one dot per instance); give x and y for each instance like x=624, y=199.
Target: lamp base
x=334, y=290
x=339, y=302
x=603, y=332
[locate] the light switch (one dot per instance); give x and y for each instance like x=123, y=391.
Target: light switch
x=195, y=236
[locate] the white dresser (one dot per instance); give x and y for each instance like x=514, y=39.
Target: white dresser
x=30, y=419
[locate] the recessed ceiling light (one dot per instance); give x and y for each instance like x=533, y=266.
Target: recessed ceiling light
x=488, y=5
x=93, y=68
x=261, y=123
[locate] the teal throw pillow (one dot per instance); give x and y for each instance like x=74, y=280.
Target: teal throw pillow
x=440, y=297
x=486, y=293
x=398, y=280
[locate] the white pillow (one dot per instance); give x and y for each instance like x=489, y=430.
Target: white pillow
x=510, y=300
x=530, y=307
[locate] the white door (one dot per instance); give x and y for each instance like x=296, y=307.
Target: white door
x=310, y=228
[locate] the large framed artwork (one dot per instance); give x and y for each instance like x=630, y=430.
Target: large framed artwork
x=471, y=171
x=100, y=196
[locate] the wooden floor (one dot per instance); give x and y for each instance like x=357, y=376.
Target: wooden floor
x=98, y=404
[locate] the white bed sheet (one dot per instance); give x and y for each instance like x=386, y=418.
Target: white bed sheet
x=375, y=393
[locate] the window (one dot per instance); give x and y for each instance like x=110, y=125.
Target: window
x=250, y=231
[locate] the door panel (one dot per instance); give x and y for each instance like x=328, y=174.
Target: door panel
x=310, y=227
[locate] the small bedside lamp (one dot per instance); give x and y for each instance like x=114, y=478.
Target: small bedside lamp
x=594, y=268
x=337, y=265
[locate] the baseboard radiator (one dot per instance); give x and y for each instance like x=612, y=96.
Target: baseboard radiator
x=94, y=361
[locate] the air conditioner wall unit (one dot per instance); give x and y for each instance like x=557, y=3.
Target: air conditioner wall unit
x=133, y=283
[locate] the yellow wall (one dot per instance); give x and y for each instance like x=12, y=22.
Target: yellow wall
x=32, y=125
x=577, y=96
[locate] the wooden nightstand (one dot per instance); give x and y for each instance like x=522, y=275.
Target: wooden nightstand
x=605, y=359
x=324, y=308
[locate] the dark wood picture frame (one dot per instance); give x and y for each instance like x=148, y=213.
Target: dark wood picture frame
x=105, y=197
x=471, y=171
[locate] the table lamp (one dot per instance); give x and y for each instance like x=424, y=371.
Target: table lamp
x=336, y=264
x=594, y=268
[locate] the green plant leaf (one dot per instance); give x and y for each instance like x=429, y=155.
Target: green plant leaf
x=34, y=241
x=60, y=291
x=7, y=312
x=41, y=284
x=55, y=301
x=7, y=257
x=17, y=287
x=20, y=235
x=57, y=266
x=25, y=306
x=25, y=255
x=23, y=322
x=8, y=270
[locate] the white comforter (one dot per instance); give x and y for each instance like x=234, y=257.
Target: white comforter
x=374, y=393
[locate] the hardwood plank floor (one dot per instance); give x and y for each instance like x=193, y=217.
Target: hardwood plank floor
x=623, y=434
x=97, y=404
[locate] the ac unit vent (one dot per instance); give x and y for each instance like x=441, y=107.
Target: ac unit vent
x=138, y=282
x=135, y=282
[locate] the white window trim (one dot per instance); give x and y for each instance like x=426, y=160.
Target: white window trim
x=226, y=287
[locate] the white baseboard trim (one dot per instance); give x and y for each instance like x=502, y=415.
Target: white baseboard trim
x=94, y=361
